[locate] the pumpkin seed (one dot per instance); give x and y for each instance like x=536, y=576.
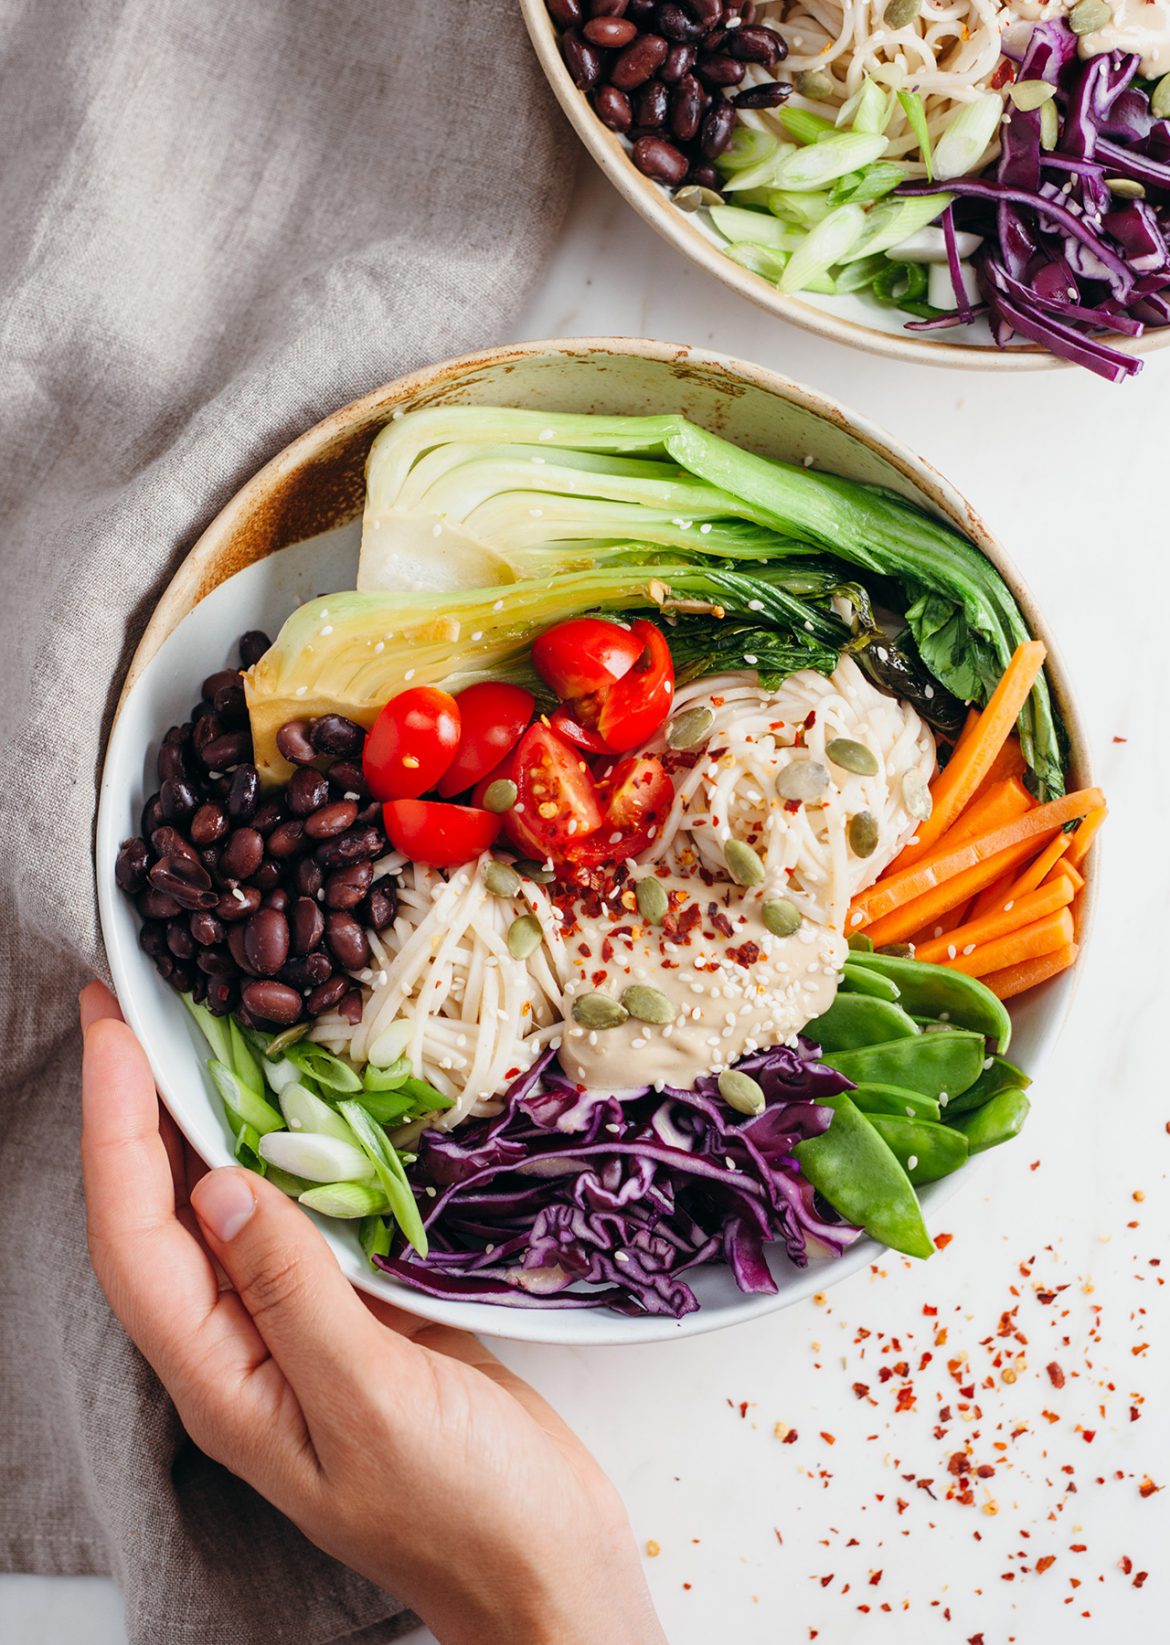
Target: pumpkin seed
x=532, y=870
x=524, y=936
x=280, y=1043
x=1160, y=99
x=694, y=195
x=916, y=795
x=689, y=728
x=851, y=756
x=1029, y=94
x=598, y=1011
x=501, y=879
x=1126, y=188
x=743, y=864
x=897, y=950
x=899, y=14
x=741, y=1092
x=863, y=834
x=652, y=900
x=500, y=795
x=802, y=780
x=1049, y=127
x=648, y=1004
x=781, y=916
x=1089, y=16
x=815, y=84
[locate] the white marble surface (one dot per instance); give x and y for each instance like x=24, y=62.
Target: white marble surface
x=1068, y=471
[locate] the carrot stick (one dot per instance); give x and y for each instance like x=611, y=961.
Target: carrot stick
x=1038, y=869
x=900, y=888
x=977, y=752
x=1064, y=870
x=1009, y=762
x=994, y=896
x=1017, y=912
x=1083, y=838
x=1027, y=943
x=1014, y=979
x=998, y=804
x=924, y=913
x=945, y=922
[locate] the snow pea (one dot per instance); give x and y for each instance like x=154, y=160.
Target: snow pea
x=857, y=1019
x=1000, y=1076
x=999, y=1120
x=946, y=996
x=925, y=1151
x=851, y=1167
x=949, y=1061
x=894, y=1099
x=861, y=979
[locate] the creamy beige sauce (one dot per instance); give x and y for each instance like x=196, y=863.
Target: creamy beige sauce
x=725, y=1007
x=1141, y=26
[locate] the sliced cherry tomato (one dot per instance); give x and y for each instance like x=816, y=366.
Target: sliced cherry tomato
x=585, y=654
x=492, y=716
x=437, y=834
x=412, y=743
x=557, y=800
x=637, y=795
x=578, y=731
x=636, y=705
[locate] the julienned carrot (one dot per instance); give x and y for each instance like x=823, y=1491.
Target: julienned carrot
x=924, y=913
x=904, y=886
x=945, y=922
x=1009, y=762
x=1064, y=870
x=1037, y=870
x=1027, y=943
x=976, y=752
x=1014, y=979
x=1083, y=838
x=997, y=805
x=994, y=895
x=1017, y=912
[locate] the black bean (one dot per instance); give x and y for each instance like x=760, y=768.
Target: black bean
x=293, y=742
x=381, y=904
x=336, y=736
x=181, y=976
x=266, y=941
x=267, y=876
x=657, y=158
x=680, y=60
x=326, y=995
x=239, y=949
x=370, y=815
x=217, y=962
x=707, y=12
x=151, y=816
x=206, y=929
x=610, y=33
x=166, y=841
x=198, y=987
x=613, y=108
x=216, y=682
x=207, y=729
x=686, y=108
x=152, y=938
x=223, y=752
x=243, y=853
x=583, y=61
x=209, y=824
x=713, y=41
x=346, y=941
x=653, y=106
x=768, y=96
x=308, y=971
x=350, y=1006
x=237, y=904
x=154, y=904
x=164, y=963
x=184, y=881
x=272, y=1002
x=704, y=176
x=172, y=762
x=306, y=924
x=252, y=647
x=330, y=821
x=268, y=813
x=177, y=799
x=277, y=898
x=716, y=130
x=180, y=734
x=307, y=790
x=642, y=11
x=565, y=13
x=308, y=876
x=221, y=995
x=638, y=62
x=346, y=887
x=757, y=45
x=130, y=867
x=287, y=838
x=677, y=24
x=717, y=71
x=244, y=794
x=231, y=705
x=359, y=845
x=347, y=777
x=180, y=941
x=614, y=8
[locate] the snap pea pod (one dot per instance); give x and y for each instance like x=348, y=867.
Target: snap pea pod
x=945, y=995
x=1000, y=1076
x=860, y=979
x=949, y=1061
x=854, y=1169
x=895, y=1099
x=999, y=1120
x=924, y=1150
x=858, y=1019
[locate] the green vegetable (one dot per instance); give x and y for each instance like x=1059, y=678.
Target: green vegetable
x=319, y=1158
x=387, y=1107
x=321, y=1065
x=938, y=992
x=748, y=147
x=829, y=158
x=869, y=109
x=755, y=227
x=805, y=210
x=214, y=1029
x=915, y=111
x=386, y=1079
x=244, y=1105
x=1000, y=1076
x=305, y=1113
x=823, y=246
x=924, y=1150
x=855, y=1170
x=288, y=1184
x=378, y=1149
x=968, y=136
x=346, y=1199
x=894, y=1099
x=999, y=1120
x=374, y=1237
x=856, y=1019
x=859, y=979
x=804, y=126
x=892, y=221
x=866, y=186
x=948, y=1061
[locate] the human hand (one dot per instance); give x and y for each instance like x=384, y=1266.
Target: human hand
x=402, y=1448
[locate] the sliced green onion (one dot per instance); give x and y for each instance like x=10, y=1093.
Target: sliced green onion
x=244, y=1059
x=214, y=1029
x=386, y=1079
x=320, y=1159
x=244, y=1106
x=801, y=210
x=374, y=1237
x=805, y=127
x=294, y=1187
x=247, y=1150
x=823, y=246
x=871, y=183
x=322, y=1066
x=755, y=228
x=424, y=1095
x=940, y=291
x=346, y=1199
x=305, y=1112
x=761, y=176
x=856, y=276
x=380, y=1152
x=915, y=111
x=891, y=221
x=748, y=147
x=968, y=136
x=387, y=1107
x=812, y=168
x=281, y=1073
x=769, y=264
x=903, y=285
x=391, y=1042
x=868, y=110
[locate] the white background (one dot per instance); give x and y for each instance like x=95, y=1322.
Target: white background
x=1071, y=474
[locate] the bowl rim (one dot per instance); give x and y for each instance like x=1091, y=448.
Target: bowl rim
x=211, y=561
x=652, y=203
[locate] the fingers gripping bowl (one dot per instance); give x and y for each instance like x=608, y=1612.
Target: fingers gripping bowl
x=698, y=798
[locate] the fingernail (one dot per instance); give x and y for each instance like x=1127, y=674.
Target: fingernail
x=224, y=1200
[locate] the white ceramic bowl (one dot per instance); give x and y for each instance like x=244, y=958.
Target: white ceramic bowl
x=292, y=532
x=855, y=320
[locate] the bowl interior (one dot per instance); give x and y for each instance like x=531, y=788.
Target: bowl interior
x=291, y=534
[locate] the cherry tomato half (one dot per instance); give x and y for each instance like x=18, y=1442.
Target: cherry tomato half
x=585, y=654
x=637, y=795
x=557, y=800
x=411, y=744
x=566, y=724
x=492, y=716
x=437, y=834
x=636, y=705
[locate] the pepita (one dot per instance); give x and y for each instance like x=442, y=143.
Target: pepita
x=781, y=916
x=528, y=868
x=741, y=1092
x=648, y=1004
x=852, y=756
x=1125, y=188
x=1049, y=127
x=524, y=936
x=689, y=728
x=598, y=1011
x=652, y=900
x=1029, y=94
x=501, y=879
x=863, y=834
x=695, y=195
x=1160, y=99
x=1089, y=16
x=280, y=1043
x=899, y=14
x=802, y=780
x=916, y=795
x=500, y=795
x=743, y=864
x=815, y=84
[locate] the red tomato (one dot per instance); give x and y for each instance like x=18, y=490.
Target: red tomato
x=557, y=800
x=411, y=744
x=637, y=794
x=585, y=654
x=577, y=730
x=636, y=705
x=437, y=834
x=492, y=716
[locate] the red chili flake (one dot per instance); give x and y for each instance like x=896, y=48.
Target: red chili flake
x=901, y=1504
x=1148, y=1488
x=1088, y=1435
x=831, y=1439
x=1139, y=1348
x=790, y=1437
x=1044, y=1562
x=975, y=1639
x=1121, y=739
x=905, y=1399
x=743, y=1409
x=686, y=1587
x=825, y=1580
x=1140, y=1578
x=1076, y=1547
x=874, y=1578
x=747, y=954
x=1055, y=1374
x=985, y=1470
x=959, y=1463
x=1134, y=1413
x=861, y=1389
x=1004, y=75
x=941, y=1241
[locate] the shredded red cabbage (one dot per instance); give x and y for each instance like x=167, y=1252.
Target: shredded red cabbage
x=571, y=1198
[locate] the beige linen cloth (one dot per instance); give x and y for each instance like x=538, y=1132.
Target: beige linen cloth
x=218, y=222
